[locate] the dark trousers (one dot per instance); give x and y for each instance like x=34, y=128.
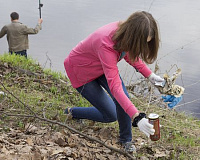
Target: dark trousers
x=22, y=53
x=105, y=108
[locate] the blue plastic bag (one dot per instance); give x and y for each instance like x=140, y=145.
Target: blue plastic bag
x=174, y=100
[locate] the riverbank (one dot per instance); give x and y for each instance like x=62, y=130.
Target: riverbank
x=33, y=124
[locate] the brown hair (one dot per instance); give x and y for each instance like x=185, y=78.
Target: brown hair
x=131, y=36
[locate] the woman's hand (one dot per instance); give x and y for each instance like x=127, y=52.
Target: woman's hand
x=146, y=127
x=156, y=80
x=143, y=124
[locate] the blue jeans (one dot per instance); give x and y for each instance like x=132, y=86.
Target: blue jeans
x=22, y=53
x=105, y=108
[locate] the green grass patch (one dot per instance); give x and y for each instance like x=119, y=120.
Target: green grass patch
x=50, y=93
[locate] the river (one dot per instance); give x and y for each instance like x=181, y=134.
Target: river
x=66, y=22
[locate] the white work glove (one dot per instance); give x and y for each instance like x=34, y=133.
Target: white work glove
x=145, y=127
x=156, y=80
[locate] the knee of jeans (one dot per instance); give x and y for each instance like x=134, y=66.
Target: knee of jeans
x=110, y=118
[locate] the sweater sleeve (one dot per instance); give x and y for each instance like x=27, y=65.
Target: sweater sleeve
x=139, y=65
x=108, y=58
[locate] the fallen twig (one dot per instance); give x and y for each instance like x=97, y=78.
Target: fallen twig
x=63, y=125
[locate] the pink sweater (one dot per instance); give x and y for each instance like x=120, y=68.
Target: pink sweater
x=95, y=56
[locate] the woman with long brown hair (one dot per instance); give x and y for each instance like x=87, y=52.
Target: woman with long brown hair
x=92, y=69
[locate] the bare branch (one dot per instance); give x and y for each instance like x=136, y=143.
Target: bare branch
x=61, y=124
